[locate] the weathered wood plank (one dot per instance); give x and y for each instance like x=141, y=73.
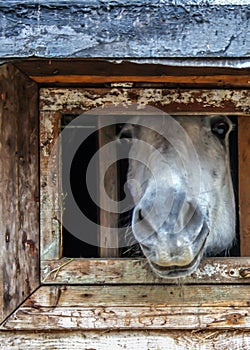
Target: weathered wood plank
x=172, y=101
x=19, y=215
x=131, y=317
x=109, y=243
x=137, y=271
x=139, y=295
x=186, y=72
x=216, y=80
x=244, y=183
x=50, y=192
x=133, y=307
x=8, y=188
x=28, y=185
x=124, y=29
x=133, y=340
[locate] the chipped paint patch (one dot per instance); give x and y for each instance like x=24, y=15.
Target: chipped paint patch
x=179, y=100
x=212, y=270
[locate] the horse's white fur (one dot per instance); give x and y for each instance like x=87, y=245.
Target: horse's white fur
x=215, y=200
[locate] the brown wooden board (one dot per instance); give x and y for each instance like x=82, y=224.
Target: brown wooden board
x=51, y=200
x=19, y=190
x=219, y=80
x=98, y=67
x=108, y=239
x=84, y=71
x=244, y=183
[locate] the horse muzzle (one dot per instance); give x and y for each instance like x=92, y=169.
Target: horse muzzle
x=176, y=260
x=173, y=246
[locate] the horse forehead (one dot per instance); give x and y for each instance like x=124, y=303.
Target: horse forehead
x=156, y=129
x=207, y=150
x=164, y=134
x=194, y=126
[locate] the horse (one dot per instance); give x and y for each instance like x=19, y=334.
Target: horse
x=180, y=180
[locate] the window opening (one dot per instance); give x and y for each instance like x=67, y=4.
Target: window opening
x=76, y=248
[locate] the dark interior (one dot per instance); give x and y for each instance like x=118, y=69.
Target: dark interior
x=72, y=246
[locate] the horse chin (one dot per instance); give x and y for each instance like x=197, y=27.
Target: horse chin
x=175, y=271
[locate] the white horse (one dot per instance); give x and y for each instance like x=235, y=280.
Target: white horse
x=179, y=177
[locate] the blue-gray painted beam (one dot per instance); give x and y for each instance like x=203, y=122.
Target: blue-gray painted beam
x=125, y=28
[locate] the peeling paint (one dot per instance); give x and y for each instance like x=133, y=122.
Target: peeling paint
x=86, y=99
x=211, y=270
x=119, y=340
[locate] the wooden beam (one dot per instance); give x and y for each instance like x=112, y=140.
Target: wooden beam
x=173, y=101
x=128, y=339
x=109, y=242
x=134, y=271
x=133, y=307
x=51, y=209
x=19, y=191
x=215, y=80
x=104, y=68
x=244, y=183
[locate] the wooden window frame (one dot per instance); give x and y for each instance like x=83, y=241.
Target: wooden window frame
x=101, y=294
x=55, y=102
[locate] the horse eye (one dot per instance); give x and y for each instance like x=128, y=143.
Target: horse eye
x=126, y=133
x=220, y=129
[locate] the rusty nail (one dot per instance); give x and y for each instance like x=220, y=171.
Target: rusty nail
x=245, y=273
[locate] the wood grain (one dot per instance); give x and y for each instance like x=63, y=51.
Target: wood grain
x=242, y=81
x=50, y=192
x=109, y=245
x=244, y=183
x=132, y=68
x=137, y=271
x=19, y=209
x=133, y=307
x=134, y=340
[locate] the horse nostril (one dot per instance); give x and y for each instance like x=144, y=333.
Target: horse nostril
x=140, y=216
x=145, y=249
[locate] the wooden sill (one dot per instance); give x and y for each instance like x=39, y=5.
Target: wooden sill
x=136, y=271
